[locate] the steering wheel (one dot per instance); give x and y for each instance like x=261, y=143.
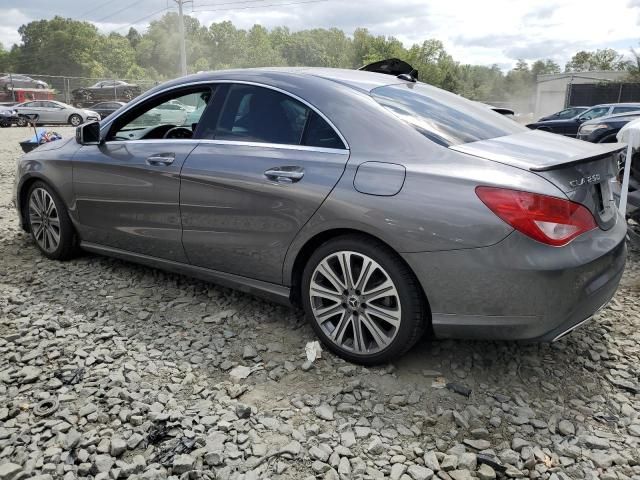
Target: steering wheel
x=178, y=132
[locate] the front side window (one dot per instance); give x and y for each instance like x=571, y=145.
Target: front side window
x=162, y=118
x=443, y=117
x=257, y=114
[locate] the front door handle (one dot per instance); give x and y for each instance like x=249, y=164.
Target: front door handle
x=286, y=174
x=159, y=159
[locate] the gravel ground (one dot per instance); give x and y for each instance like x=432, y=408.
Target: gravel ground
x=110, y=370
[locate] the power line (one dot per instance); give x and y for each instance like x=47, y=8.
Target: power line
x=228, y=3
x=135, y=22
x=260, y=6
x=99, y=3
x=115, y=13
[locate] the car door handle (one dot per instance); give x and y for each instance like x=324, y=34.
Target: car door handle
x=161, y=159
x=285, y=174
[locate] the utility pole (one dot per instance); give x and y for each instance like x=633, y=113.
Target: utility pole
x=183, y=48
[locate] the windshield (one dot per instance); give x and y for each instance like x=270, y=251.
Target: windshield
x=444, y=117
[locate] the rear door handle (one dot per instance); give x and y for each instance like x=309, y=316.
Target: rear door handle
x=286, y=174
x=159, y=159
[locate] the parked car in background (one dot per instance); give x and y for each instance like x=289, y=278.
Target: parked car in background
x=385, y=207
x=21, y=81
x=8, y=116
x=604, y=129
x=171, y=112
x=106, y=90
x=570, y=126
x=565, y=114
x=106, y=108
x=50, y=111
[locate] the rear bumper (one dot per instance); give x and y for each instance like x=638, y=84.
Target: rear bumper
x=520, y=289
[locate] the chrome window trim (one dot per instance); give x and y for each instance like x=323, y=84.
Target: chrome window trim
x=242, y=82
x=197, y=141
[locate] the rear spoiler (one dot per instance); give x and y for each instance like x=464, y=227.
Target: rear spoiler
x=579, y=161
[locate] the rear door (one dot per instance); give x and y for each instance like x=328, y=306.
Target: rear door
x=266, y=163
x=52, y=113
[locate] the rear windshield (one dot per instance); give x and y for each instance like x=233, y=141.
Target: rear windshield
x=444, y=117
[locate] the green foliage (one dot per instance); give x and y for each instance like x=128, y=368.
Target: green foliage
x=633, y=66
x=60, y=46
x=605, y=59
x=63, y=46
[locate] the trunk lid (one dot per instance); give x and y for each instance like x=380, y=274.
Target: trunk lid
x=583, y=171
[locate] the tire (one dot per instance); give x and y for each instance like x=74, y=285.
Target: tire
x=349, y=311
x=128, y=94
x=22, y=121
x=5, y=124
x=75, y=120
x=52, y=231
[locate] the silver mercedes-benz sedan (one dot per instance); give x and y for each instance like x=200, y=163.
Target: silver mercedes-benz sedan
x=383, y=206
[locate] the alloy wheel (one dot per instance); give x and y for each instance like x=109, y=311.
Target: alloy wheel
x=355, y=302
x=44, y=220
x=75, y=120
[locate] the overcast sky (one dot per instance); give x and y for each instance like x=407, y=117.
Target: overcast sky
x=473, y=31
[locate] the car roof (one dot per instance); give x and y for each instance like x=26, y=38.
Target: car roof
x=357, y=79
x=628, y=104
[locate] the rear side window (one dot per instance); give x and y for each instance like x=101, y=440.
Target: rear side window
x=625, y=109
x=256, y=114
x=443, y=117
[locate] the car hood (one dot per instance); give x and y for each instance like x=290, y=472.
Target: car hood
x=536, y=150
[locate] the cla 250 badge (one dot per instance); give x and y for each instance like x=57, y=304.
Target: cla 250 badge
x=581, y=181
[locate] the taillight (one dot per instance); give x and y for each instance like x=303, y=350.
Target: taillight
x=550, y=220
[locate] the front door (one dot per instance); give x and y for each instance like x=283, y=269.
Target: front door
x=128, y=188
x=268, y=164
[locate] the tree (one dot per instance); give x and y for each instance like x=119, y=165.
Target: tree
x=4, y=59
x=606, y=60
x=116, y=54
x=134, y=37
x=633, y=66
x=544, y=67
x=60, y=46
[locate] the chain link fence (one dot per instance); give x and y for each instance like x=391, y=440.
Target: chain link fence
x=77, y=91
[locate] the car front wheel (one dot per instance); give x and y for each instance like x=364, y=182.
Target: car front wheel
x=49, y=223
x=362, y=300
x=75, y=120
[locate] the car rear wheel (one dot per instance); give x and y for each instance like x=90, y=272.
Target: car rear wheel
x=49, y=223
x=75, y=120
x=362, y=301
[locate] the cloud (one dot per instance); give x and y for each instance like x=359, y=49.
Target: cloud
x=541, y=49
x=541, y=15
x=488, y=41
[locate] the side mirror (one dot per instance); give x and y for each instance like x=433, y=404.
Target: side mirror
x=580, y=120
x=88, y=133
